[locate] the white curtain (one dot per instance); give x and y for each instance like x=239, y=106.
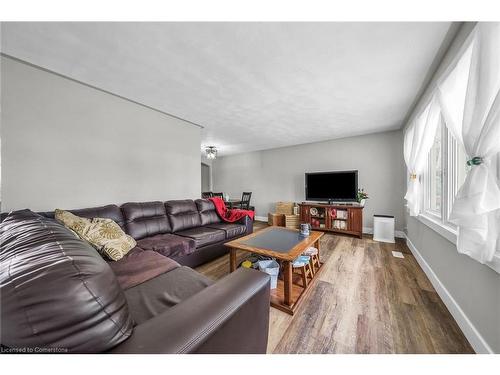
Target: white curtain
x=418, y=141
x=470, y=103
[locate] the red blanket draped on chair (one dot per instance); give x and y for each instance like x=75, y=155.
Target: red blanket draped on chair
x=229, y=215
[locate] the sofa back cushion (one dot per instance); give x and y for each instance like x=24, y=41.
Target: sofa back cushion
x=208, y=215
x=182, y=214
x=145, y=219
x=110, y=211
x=56, y=290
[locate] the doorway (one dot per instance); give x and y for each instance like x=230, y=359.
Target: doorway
x=205, y=177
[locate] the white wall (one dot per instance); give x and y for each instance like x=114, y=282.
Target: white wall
x=68, y=145
x=278, y=174
x=470, y=290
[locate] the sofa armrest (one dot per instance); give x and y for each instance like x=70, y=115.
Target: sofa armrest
x=230, y=316
x=248, y=223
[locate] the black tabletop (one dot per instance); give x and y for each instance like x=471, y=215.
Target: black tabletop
x=280, y=240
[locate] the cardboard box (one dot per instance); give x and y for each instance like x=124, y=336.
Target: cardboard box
x=276, y=219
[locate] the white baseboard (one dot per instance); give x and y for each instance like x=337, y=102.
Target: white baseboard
x=475, y=339
x=261, y=218
x=397, y=233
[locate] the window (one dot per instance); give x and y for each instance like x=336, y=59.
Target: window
x=444, y=175
x=457, y=164
x=467, y=115
x=435, y=175
x=462, y=166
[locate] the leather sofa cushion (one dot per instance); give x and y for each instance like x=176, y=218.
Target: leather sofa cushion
x=183, y=214
x=57, y=291
x=169, y=245
x=153, y=297
x=204, y=235
x=232, y=230
x=110, y=211
x=145, y=219
x=139, y=266
x=208, y=215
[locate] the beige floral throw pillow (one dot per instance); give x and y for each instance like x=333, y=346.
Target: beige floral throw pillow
x=104, y=235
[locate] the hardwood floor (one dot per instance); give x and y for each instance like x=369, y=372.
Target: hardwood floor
x=364, y=301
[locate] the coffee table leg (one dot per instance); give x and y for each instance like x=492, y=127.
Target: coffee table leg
x=232, y=260
x=287, y=281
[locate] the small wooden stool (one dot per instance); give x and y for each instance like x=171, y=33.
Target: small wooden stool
x=315, y=265
x=314, y=260
x=305, y=271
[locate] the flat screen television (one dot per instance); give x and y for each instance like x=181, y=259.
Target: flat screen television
x=339, y=186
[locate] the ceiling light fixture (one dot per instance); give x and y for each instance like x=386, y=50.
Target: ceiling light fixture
x=211, y=152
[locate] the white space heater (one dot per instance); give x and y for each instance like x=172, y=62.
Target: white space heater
x=383, y=228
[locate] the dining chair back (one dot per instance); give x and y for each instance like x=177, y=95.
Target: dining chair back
x=207, y=194
x=245, y=200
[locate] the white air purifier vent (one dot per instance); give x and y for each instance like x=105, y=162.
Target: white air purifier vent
x=383, y=228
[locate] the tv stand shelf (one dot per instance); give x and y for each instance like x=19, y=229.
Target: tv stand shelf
x=338, y=218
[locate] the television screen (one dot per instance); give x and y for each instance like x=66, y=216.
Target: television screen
x=335, y=186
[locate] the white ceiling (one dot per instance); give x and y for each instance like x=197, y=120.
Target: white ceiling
x=252, y=86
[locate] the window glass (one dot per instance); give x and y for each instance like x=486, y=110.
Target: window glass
x=461, y=168
x=436, y=174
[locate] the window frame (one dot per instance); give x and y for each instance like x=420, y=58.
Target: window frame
x=449, y=178
x=425, y=210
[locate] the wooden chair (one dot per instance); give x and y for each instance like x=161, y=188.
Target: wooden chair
x=245, y=200
x=207, y=194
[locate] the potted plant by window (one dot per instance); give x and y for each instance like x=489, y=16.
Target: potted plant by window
x=361, y=197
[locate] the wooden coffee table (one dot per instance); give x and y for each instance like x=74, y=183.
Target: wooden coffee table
x=285, y=245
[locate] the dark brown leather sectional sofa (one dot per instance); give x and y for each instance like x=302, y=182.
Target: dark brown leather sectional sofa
x=189, y=232
x=59, y=295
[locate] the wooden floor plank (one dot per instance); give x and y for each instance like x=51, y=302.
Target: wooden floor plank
x=364, y=301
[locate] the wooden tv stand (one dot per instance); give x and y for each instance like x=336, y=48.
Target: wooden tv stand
x=338, y=218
